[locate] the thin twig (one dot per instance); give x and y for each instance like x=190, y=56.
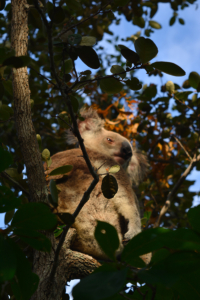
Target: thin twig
x=5, y=121
x=182, y=147
x=5, y=175
x=183, y=176
x=42, y=76
x=163, y=211
x=79, y=23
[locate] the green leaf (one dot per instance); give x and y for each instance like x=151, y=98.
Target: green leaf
x=117, y=69
x=155, y=24
x=172, y=21
x=146, y=49
x=181, y=21
x=114, y=169
x=1, y=91
x=89, y=57
x=194, y=79
x=88, y=41
x=57, y=14
x=5, y=159
x=170, y=87
x=68, y=66
x=193, y=216
x=107, y=237
x=8, y=263
x=100, y=285
x=111, y=85
x=109, y=186
x=74, y=39
x=169, y=68
x=130, y=55
x=54, y=192
x=61, y=170
x=8, y=200
x=134, y=84
x=59, y=230
x=156, y=238
x=37, y=216
x=24, y=283
x=139, y=21
x=34, y=238
x=46, y=154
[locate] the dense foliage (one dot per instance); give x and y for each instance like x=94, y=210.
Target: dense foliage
x=132, y=108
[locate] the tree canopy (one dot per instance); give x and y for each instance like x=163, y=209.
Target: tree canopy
x=59, y=33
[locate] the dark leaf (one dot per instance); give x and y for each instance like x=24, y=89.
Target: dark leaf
x=35, y=239
x=66, y=218
x=35, y=216
x=134, y=84
x=100, y=285
x=107, y=237
x=193, y=216
x=8, y=201
x=169, y=68
x=2, y=4
x=57, y=14
x=130, y=55
x=146, y=49
x=8, y=263
x=5, y=159
x=111, y=85
x=17, y=61
x=109, y=186
x=54, y=192
x=88, y=56
x=25, y=283
x=194, y=79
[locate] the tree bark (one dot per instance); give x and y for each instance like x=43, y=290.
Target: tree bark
x=22, y=108
x=71, y=264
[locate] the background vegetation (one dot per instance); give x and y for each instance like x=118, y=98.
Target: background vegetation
x=141, y=112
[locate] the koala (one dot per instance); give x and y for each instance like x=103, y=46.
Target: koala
x=105, y=149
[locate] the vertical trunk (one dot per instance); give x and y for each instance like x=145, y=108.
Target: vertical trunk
x=23, y=121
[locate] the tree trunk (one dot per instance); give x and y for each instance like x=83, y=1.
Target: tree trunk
x=71, y=264
x=21, y=93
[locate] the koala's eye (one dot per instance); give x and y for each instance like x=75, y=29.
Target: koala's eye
x=109, y=140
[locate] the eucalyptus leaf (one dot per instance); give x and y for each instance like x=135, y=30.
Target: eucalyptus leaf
x=61, y=170
x=88, y=56
x=111, y=85
x=169, y=68
x=146, y=49
x=109, y=186
x=117, y=69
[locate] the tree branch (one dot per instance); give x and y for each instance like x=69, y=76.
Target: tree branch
x=5, y=175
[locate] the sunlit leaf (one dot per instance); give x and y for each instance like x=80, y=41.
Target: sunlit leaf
x=155, y=24
x=88, y=41
x=61, y=170
x=114, y=169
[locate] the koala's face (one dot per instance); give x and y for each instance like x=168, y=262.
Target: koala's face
x=108, y=143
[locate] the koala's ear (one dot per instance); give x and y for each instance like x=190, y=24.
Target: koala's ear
x=92, y=122
x=138, y=167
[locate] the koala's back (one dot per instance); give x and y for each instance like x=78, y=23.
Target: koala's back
x=120, y=211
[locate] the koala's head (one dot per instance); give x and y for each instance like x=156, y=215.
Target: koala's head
x=97, y=138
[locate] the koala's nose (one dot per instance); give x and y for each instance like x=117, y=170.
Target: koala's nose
x=126, y=150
